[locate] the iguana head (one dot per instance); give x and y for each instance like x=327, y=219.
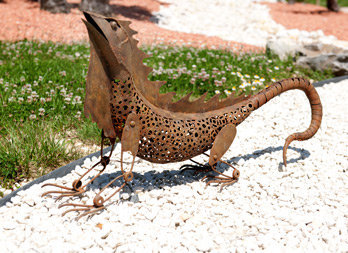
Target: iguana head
x=113, y=42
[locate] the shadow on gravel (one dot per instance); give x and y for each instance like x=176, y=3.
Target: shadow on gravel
x=151, y=180
x=157, y=180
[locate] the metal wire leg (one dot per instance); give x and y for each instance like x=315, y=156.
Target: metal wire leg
x=77, y=187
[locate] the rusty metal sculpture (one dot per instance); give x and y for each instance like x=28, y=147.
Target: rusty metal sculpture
x=125, y=104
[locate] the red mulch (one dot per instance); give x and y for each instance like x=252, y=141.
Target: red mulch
x=310, y=17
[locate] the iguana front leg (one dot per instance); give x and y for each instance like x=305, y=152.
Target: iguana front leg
x=130, y=143
x=77, y=186
x=221, y=144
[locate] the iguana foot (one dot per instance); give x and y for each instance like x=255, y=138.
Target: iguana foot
x=75, y=190
x=88, y=209
x=77, y=187
x=223, y=179
x=196, y=168
x=98, y=201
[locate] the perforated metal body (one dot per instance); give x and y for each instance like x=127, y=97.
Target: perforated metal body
x=170, y=136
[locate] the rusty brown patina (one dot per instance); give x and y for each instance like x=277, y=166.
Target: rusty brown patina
x=125, y=104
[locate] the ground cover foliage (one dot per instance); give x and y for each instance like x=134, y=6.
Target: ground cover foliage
x=42, y=88
x=341, y=3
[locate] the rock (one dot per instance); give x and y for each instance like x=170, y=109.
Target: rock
x=315, y=50
x=337, y=63
x=282, y=47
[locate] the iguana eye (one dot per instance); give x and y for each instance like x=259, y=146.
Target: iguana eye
x=114, y=25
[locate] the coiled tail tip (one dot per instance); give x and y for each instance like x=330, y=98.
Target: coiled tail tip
x=286, y=145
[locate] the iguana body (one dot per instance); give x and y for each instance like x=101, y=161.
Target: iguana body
x=168, y=136
x=125, y=104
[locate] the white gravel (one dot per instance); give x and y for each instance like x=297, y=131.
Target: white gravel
x=302, y=207
x=244, y=21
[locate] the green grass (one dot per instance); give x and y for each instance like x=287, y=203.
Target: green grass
x=42, y=92
x=341, y=3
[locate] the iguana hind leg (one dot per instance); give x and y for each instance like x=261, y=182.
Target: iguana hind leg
x=129, y=143
x=221, y=144
x=197, y=168
x=77, y=186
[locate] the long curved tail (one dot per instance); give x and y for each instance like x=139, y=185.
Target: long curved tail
x=289, y=84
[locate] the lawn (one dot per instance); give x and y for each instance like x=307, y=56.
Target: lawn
x=341, y=3
x=42, y=88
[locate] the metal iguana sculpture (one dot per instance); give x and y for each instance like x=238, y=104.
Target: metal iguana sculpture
x=125, y=104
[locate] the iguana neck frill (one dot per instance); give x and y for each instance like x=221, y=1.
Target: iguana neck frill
x=117, y=85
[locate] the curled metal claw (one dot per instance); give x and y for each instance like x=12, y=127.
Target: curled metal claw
x=223, y=179
x=50, y=192
x=70, y=195
x=94, y=210
x=74, y=191
x=236, y=174
x=56, y=185
x=77, y=185
x=128, y=176
x=98, y=201
x=89, y=209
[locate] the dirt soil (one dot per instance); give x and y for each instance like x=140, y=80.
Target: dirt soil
x=310, y=17
x=23, y=19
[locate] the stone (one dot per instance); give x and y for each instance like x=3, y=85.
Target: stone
x=282, y=47
x=338, y=63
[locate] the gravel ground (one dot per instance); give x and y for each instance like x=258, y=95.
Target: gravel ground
x=235, y=20
x=247, y=21
x=301, y=207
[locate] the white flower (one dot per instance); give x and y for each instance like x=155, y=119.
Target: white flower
x=41, y=111
x=32, y=117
